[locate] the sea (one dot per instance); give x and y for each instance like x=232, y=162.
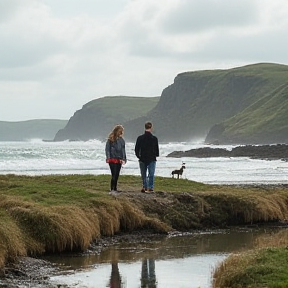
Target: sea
x=38, y=157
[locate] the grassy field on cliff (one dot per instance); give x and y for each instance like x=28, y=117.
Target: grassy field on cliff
x=253, y=121
x=198, y=100
x=56, y=213
x=128, y=107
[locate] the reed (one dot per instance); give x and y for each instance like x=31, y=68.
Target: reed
x=279, y=239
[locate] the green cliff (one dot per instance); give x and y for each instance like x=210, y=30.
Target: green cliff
x=97, y=118
x=240, y=105
x=197, y=101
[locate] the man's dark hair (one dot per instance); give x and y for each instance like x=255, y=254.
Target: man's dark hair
x=148, y=125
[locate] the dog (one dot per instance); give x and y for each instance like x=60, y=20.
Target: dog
x=178, y=172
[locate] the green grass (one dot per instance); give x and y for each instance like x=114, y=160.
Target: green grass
x=266, y=267
x=238, y=99
x=49, y=190
x=56, y=213
x=77, y=189
x=128, y=107
x=264, y=116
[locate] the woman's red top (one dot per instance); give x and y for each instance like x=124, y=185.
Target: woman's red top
x=113, y=160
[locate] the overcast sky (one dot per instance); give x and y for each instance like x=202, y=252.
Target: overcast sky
x=57, y=55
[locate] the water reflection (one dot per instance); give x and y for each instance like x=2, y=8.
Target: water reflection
x=115, y=278
x=186, y=261
x=148, y=276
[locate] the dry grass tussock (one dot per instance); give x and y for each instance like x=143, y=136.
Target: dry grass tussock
x=232, y=271
x=13, y=243
x=251, y=206
x=30, y=228
x=10, y=234
x=279, y=239
x=133, y=218
x=270, y=207
x=123, y=216
x=228, y=273
x=263, y=207
x=58, y=228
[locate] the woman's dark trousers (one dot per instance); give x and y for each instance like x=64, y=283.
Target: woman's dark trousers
x=115, y=171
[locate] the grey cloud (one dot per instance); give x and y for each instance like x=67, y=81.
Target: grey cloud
x=138, y=39
x=75, y=57
x=190, y=17
x=95, y=8
x=8, y=9
x=16, y=51
x=197, y=16
x=223, y=44
x=148, y=49
x=30, y=73
x=266, y=47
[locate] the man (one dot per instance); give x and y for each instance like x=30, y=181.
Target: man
x=146, y=150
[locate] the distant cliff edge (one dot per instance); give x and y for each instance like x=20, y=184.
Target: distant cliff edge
x=97, y=118
x=31, y=129
x=246, y=104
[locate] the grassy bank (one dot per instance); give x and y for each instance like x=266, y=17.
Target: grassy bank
x=59, y=213
x=265, y=266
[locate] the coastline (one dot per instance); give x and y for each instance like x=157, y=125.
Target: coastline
x=264, y=152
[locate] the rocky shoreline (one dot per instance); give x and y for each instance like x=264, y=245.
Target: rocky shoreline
x=267, y=152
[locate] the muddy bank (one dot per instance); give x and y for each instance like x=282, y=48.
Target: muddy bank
x=28, y=272
x=269, y=152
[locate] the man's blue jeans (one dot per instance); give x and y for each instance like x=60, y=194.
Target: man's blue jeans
x=148, y=180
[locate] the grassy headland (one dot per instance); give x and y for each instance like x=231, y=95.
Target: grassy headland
x=58, y=213
x=101, y=115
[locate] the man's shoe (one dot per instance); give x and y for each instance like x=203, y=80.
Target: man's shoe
x=143, y=190
x=149, y=191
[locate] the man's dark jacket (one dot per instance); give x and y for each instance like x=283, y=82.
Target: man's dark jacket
x=147, y=148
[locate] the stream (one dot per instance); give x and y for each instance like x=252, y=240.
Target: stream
x=181, y=261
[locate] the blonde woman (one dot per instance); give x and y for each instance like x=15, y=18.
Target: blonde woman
x=115, y=155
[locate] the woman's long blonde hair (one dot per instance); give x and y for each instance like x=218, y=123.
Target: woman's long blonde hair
x=117, y=132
